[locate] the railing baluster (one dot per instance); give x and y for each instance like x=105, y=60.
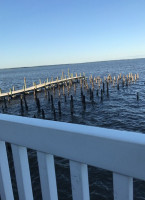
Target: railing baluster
x=47, y=176
x=5, y=180
x=123, y=187
x=22, y=171
x=79, y=181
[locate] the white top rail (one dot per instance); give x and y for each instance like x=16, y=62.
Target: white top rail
x=122, y=152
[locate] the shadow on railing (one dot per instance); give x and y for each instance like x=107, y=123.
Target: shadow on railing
x=121, y=152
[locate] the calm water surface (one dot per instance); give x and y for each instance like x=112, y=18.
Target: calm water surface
x=119, y=110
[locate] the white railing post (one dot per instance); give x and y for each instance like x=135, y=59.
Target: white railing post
x=79, y=181
x=5, y=180
x=47, y=176
x=22, y=172
x=123, y=187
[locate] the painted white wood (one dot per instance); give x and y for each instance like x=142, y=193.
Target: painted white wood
x=79, y=181
x=109, y=149
x=6, y=192
x=22, y=172
x=47, y=176
x=123, y=187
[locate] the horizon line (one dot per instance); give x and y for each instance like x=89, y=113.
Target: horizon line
x=73, y=63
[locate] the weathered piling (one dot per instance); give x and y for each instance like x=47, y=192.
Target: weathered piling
x=54, y=113
x=84, y=102
x=117, y=84
x=24, y=83
x=103, y=87
x=101, y=95
x=43, y=114
x=81, y=93
x=26, y=106
x=52, y=104
x=53, y=89
x=5, y=103
x=83, y=99
x=63, y=89
x=48, y=96
x=35, y=93
x=8, y=98
x=11, y=92
x=59, y=107
x=107, y=88
x=72, y=101
x=21, y=103
x=126, y=82
x=74, y=87
x=38, y=104
x=71, y=105
x=137, y=96
x=45, y=91
x=90, y=94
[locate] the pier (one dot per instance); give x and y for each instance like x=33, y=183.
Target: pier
x=40, y=86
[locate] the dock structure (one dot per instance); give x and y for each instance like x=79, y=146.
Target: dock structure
x=40, y=85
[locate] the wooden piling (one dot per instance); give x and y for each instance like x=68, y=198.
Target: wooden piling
x=62, y=75
x=48, y=96
x=137, y=96
x=35, y=93
x=52, y=104
x=103, y=87
x=117, y=84
x=54, y=113
x=107, y=88
x=59, y=107
x=71, y=105
x=43, y=114
x=63, y=89
x=74, y=87
x=26, y=106
x=24, y=82
x=84, y=102
x=21, y=103
x=90, y=94
x=5, y=103
x=38, y=104
x=101, y=95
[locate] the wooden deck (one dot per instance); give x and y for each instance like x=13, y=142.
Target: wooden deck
x=39, y=86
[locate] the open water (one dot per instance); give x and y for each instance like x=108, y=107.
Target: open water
x=120, y=110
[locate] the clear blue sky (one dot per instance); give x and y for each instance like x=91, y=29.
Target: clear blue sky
x=43, y=32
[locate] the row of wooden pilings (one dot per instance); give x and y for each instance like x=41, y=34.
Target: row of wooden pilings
x=102, y=87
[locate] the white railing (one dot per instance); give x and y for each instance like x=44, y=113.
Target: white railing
x=121, y=152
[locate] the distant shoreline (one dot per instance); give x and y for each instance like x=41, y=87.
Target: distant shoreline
x=71, y=63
